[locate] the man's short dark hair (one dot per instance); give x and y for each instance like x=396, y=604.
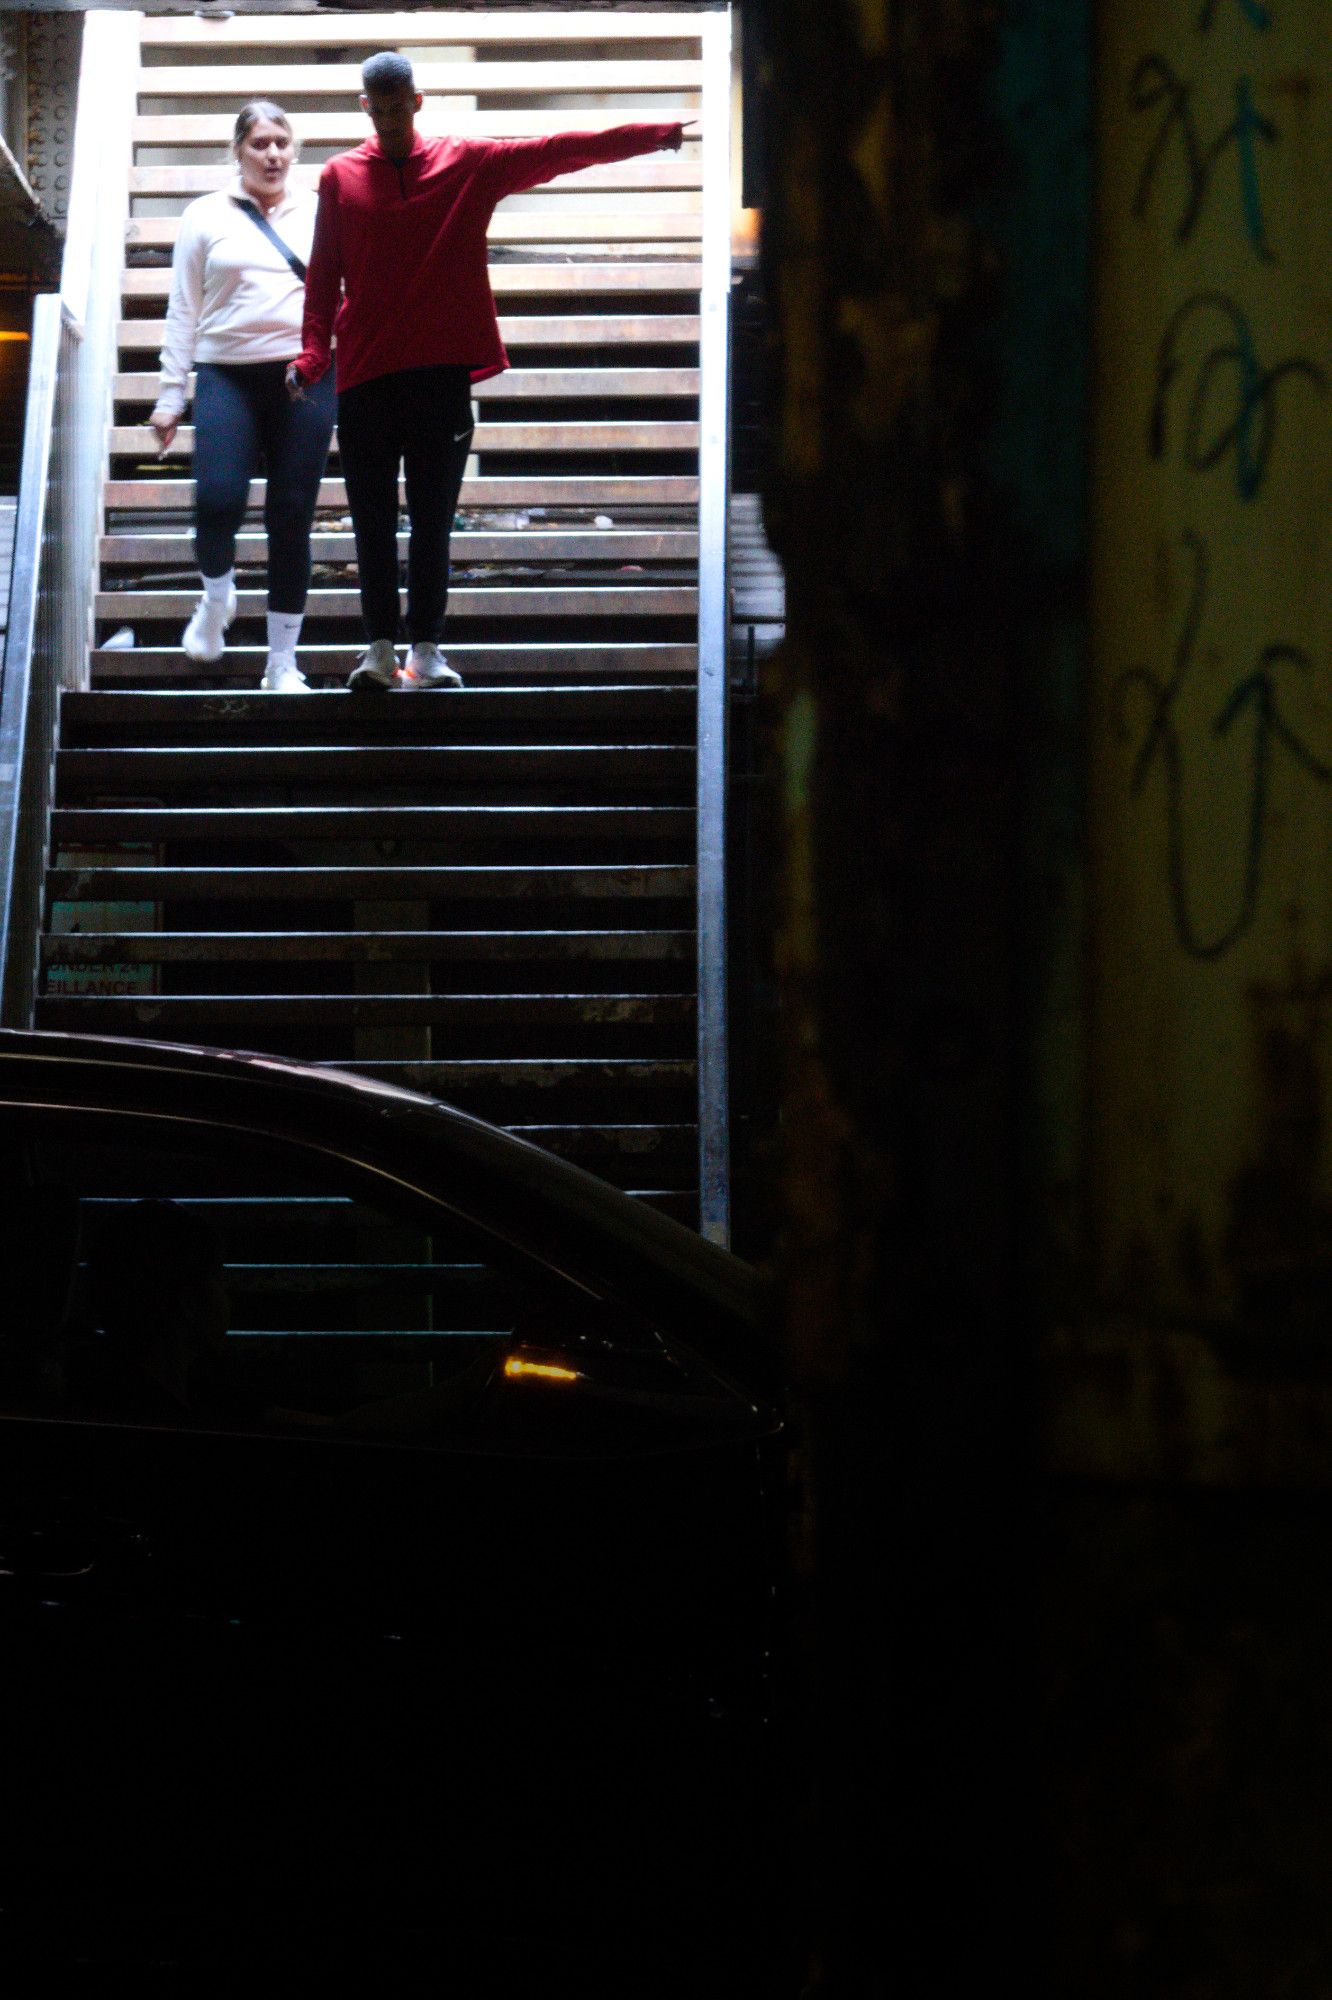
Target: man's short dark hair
x=388, y=71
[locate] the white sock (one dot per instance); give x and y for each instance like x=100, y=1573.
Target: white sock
x=218, y=588
x=284, y=629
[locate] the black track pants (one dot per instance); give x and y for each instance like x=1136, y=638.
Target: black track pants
x=421, y=419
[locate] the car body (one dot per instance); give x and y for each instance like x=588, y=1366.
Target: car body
x=444, y=1630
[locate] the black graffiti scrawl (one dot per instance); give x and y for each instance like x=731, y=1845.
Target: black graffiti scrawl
x=1216, y=403
x=1252, y=703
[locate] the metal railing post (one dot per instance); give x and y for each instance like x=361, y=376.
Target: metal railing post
x=54, y=572
x=27, y=699
x=90, y=286
x=713, y=538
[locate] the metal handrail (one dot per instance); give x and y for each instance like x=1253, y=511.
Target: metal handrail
x=713, y=624
x=28, y=693
x=54, y=572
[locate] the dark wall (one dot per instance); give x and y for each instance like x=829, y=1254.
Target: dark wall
x=1061, y=1582
x=905, y=241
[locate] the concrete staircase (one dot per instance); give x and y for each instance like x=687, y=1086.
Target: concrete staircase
x=488, y=894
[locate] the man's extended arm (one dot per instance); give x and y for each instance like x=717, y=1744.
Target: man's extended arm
x=523, y=163
x=323, y=287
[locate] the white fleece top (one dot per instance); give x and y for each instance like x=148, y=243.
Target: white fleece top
x=233, y=296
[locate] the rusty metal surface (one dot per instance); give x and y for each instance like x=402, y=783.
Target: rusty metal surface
x=888, y=715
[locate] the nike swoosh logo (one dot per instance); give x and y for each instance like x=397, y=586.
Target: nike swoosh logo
x=464, y=434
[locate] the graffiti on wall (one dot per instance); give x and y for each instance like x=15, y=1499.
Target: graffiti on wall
x=1214, y=402
x=1211, y=778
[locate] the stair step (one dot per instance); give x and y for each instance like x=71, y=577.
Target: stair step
x=427, y=947
x=638, y=1142
x=139, y=441
x=244, y=1221
x=254, y=1281
x=423, y=30
x=491, y=77
x=608, y=545
x=554, y=227
x=234, y=770
x=512, y=661
x=195, y=714
x=163, y=1012
x=586, y=490
x=652, y=277
x=98, y=824
x=517, y=330
x=516, y=385
x=257, y=1214
x=347, y=128
x=681, y=1204
x=551, y=1075
x=620, y=600
x=644, y=882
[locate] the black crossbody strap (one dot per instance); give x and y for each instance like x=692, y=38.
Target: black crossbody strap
x=262, y=223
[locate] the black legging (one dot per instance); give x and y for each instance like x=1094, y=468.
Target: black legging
x=241, y=412
x=421, y=419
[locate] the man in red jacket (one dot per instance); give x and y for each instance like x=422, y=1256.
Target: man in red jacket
x=401, y=235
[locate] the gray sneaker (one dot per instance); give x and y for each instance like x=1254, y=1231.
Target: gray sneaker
x=377, y=668
x=427, y=668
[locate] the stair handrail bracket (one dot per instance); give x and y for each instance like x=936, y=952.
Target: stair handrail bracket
x=713, y=622
x=65, y=440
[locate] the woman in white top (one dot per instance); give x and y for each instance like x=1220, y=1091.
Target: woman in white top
x=234, y=315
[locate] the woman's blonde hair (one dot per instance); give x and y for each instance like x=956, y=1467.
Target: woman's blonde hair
x=250, y=114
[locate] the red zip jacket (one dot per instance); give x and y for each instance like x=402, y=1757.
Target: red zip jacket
x=407, y=239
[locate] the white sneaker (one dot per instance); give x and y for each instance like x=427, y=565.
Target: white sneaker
x=376, y=668
x=203, y=637
x=283, y=676
x=427, y=668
